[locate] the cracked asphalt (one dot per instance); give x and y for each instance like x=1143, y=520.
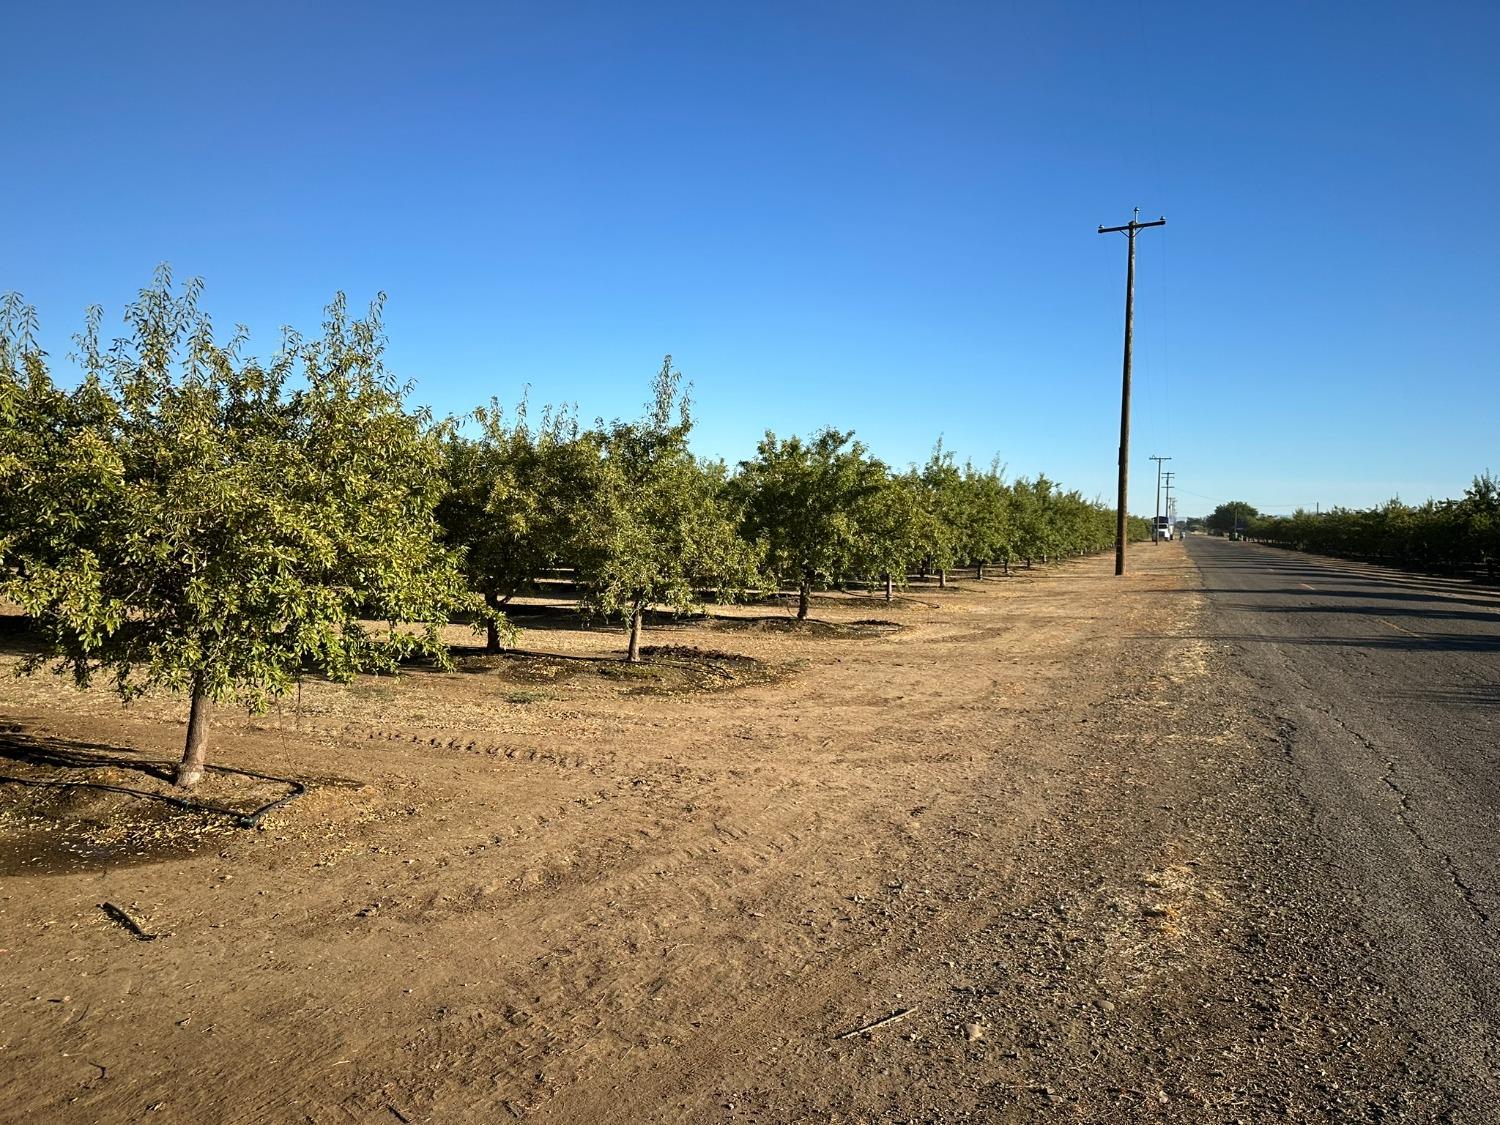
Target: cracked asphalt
x=1384, y=690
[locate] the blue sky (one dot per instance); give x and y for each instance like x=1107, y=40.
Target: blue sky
x=873, y=215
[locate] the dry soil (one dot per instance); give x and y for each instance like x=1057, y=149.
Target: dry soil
x=1042, y=823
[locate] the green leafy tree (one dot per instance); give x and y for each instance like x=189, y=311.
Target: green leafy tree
x=1479, y=515
x=1030, y=500
x=990, y=531
x=1082, y=526
x=1231, y=515
x=894, y=529
x=513, y=500
x=659, y=528
x=1445, y=535
x=53, y=467
x=943, y=492
x=803, y=503
x=188, y=521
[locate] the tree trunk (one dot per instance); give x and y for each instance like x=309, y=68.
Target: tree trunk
x=633, y=653
x=942, y=578
x=889, y=582
x=979, y=571
x=1005, y=562
x=492, y=627
x=804, y=593
x=190, y=770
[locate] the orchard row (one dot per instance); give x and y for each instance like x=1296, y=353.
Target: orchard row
x=1443, y=535
x=190, y=518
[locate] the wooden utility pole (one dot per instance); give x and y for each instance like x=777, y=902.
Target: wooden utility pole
x=1121, y=518
x=1155, y=537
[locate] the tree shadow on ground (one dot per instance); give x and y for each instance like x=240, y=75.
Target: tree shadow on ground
x=19, y=745
x=19, y=637
x=570, y=619
x=1410, y=612
x=1425, y=642
x=66, y=804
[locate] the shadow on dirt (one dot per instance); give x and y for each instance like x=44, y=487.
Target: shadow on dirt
x=18, y=637
x=69, y=806
x=663, y=669
x=810, y=627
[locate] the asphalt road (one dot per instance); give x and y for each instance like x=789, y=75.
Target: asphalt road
x=1385, y=689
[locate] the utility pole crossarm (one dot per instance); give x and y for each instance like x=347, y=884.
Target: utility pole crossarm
x=1133, y=226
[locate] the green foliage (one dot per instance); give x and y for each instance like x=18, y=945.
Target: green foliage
x=895, y=528
x=1478, y=513
x=1050, y=522
x=185, y=519
x=989, y=516
x=812, y=507
x=1438, y=534
x=659, y=528
x=1039, y=534
x=513, y=498
x=1229, y=516
x=944, y=499
x=189, y=518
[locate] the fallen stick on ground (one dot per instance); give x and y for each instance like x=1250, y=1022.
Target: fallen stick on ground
x=901, y=1015
x=128, y=920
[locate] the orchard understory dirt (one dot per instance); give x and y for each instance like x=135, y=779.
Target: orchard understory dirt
x=1037, y=820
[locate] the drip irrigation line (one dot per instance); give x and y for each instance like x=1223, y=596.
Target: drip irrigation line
x=242, y=819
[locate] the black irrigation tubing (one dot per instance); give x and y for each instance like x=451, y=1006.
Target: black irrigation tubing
x=253, y=819
x=241, y=819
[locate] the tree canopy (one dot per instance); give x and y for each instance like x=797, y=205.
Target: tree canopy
x=1436, y=534
x=659, y=528
x=1232, y=515
x=813, y=508
x=513, y=499
x=188, y=520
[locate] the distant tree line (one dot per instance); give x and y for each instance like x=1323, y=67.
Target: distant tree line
x=190, y=518
x=1230, y=517
x=1441, y=535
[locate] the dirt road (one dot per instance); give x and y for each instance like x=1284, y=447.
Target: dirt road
x=1047, y=823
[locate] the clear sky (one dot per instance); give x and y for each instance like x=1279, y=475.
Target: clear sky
x=879, y=216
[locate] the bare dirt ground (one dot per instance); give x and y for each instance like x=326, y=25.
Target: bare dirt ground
x=1044, y=822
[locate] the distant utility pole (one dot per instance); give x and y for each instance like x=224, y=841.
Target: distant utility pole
x=1154, y=536
x=1120, y=517
x=1167, y=484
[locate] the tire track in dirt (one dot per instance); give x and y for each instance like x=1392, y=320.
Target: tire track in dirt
x=798, y=980
x=1023, y=813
